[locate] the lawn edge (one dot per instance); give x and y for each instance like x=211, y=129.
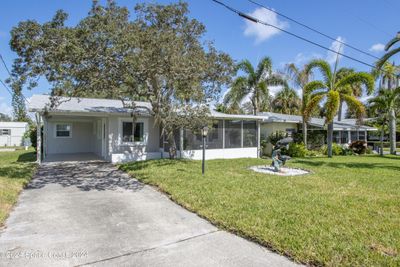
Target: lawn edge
x=3, y=224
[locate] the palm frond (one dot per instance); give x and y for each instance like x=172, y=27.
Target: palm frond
x=237, y=92
x=246, y=66
x=331, y=105
x=312, y=104
x=355, y=105
x=323, y=67
x=363, y=78
x=392, y=42
x=386, y=56
x=314, y=86
x=264, y=68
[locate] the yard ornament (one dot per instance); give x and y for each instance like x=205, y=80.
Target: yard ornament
x=279, y=160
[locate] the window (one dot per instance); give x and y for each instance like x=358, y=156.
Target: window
x=361, y=135
x=5, y=131
x=233, y=134
x=63, y=130
x=249, y=134
x=132, y=132
x=290, y=132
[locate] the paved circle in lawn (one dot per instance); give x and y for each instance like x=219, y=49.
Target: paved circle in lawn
x=284, y=170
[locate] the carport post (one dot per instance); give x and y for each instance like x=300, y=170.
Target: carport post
x=38, y=138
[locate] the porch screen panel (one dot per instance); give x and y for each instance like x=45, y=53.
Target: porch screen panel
x=361, y=135
x=233, y=133
x=354, y=136
x=215, y=136
x=191, y=140
x=336, y=137
x=249, y=134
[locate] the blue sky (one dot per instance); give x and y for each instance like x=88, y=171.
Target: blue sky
x=366, y=24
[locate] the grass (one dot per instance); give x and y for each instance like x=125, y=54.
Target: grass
x=16, y=169
x=347, y=212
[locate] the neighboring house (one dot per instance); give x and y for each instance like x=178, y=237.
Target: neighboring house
x=105, y=129
x=12, y=133
x=344, y=131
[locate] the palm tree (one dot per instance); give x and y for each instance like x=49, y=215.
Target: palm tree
x=389, y=75
x=254, y=84
x=354, y=89
x=287, y=101
x=331, y=90
x=382, y=105
x=299, y=78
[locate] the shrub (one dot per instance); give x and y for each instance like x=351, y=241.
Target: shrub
x=312, y=153
x=297, y=150
x=337, y=150
x=359, y=147
x=273, y=138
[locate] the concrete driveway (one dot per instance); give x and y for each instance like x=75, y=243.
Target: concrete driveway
x=90, y=213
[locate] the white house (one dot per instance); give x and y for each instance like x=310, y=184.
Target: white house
x=87, y=128
x=12, y=133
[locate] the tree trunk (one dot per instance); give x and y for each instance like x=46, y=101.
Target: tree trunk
x=305, y=133
x=340, y=110
x=381, y=139
x=330, y=139
x=392, y=131
x=172, y=146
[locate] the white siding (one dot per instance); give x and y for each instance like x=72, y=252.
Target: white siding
x=18, y=130
x=136, y=151
x=81, y=140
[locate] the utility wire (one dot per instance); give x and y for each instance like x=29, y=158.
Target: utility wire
x=5, y=65
x=9, y=73
x=313, y=29
x=8, y=89
x=255, y=20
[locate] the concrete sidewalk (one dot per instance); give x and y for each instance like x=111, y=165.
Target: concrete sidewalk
x=90, y=213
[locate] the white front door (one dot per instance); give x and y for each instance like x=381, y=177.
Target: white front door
x=103, y=138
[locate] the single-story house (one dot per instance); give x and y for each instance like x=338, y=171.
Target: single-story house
x=12, y=133
x=344, y=131
x=82, y=128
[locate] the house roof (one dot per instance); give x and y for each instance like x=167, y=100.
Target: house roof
x=38, y=103
x=345, y=124
x=13, y=124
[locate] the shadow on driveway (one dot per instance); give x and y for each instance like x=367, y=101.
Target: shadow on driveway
x=86, y=176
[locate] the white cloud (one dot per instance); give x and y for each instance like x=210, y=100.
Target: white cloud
x=260, y=31
x=335, y=46
x=377, y=47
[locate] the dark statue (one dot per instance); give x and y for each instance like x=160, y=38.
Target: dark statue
x=279, y=160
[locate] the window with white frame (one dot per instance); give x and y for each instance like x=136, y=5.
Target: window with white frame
x=63, y=130
x=5, y=131
x=132, y=132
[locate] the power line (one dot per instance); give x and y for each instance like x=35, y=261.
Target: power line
x=255, y=20
x=9, y=73
x=5, y=65
x=313, y=29
x=8, y=89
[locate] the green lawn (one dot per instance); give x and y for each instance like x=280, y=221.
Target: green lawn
x=346, y=213
x=16, y=169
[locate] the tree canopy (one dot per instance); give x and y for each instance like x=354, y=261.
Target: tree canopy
x=158, y=56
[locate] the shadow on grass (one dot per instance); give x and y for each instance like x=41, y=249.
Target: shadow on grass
x=27, y=157
x=356, y=165
x=140, y=165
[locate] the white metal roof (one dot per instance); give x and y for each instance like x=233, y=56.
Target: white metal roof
x=13, y=124
x=38, y=103
x=345, y=124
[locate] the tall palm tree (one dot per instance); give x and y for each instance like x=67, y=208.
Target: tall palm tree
x=299, y=78
x=331, y=90
x=255, y=84
x=382, y=105
x=389, y=75
x=354, y=89
x=287, y=101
